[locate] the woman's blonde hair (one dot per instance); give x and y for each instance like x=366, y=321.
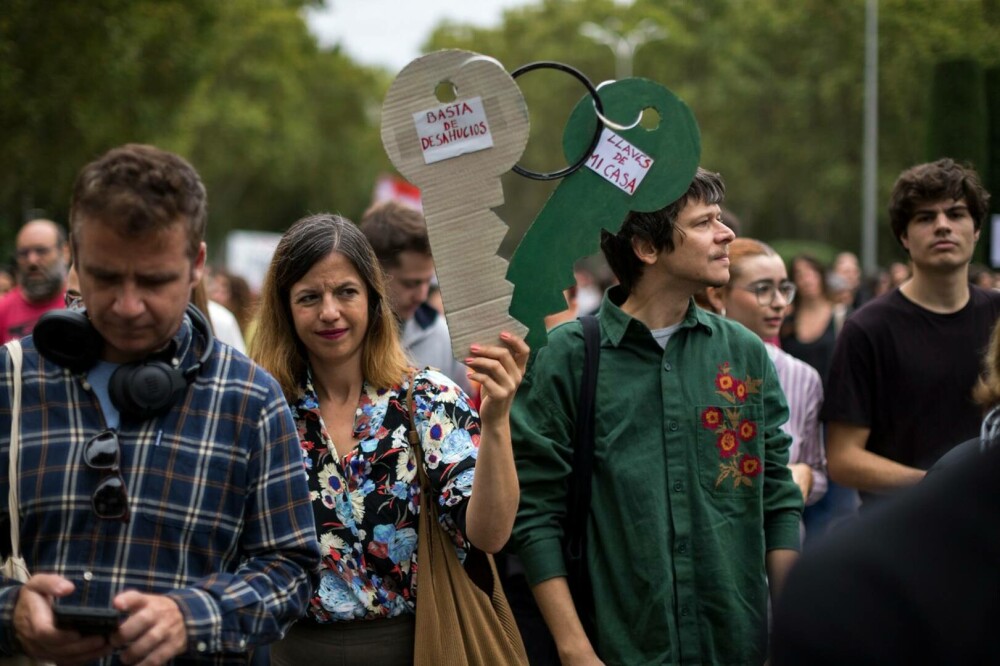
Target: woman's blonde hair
x=277, y=347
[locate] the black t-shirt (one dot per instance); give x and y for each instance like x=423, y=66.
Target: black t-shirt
x=818, y=353
x=908, y=373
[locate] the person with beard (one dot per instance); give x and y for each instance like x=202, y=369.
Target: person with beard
x=42, y=260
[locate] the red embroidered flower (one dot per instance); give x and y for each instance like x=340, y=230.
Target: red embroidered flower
x=740, y=390
x=747, y=430
x=727, y=443
x=750, y=465
x=711, y=418
x=724, y=381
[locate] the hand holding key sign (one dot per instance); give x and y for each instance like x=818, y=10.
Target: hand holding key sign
x=455, y=148
x=641, y=168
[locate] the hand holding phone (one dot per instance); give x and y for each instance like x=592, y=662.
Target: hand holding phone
x=87, y=620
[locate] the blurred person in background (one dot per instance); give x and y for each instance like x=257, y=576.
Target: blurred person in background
x=398, y=233
x=7, y=280
x=233, y=292
x=42, y=260
x=848, y=268
x=222, y=321
x=810, y=330
x=899, y=273
x=981, y=276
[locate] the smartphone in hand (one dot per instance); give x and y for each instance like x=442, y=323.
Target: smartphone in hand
x=87, y=620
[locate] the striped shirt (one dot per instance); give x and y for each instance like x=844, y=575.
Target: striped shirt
x=804, y=392
x=220, y=519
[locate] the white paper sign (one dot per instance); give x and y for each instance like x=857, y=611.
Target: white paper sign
x=619, y=162
x=453, y=129
x=248, y=254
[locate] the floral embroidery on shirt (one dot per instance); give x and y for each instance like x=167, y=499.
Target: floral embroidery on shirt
x=732, y=428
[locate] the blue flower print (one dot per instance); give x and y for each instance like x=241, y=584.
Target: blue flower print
x=400, y=490
x=401, y=543
x=344, y=510
x=372, y=416
x=337, y=598
x=366, y=503
x=457, y=447
x=463, y=482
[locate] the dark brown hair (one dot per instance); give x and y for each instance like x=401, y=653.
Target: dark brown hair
x=392, y=229
x=275, y=344
x=944, y=179
x=656, y=227
x=136, y=189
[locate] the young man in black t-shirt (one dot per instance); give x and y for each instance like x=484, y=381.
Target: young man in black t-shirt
x=899, y=394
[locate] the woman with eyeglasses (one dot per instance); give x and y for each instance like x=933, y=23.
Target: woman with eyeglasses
x=758, y=295
x=326, y=331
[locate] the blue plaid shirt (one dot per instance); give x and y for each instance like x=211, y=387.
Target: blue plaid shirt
x=220, y=514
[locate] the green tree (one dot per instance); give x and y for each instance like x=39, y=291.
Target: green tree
x=276, y=126
x=76, y=78
x=279, y=128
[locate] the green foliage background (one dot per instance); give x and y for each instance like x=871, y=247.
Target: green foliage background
x=275, y=125
x=279, y=127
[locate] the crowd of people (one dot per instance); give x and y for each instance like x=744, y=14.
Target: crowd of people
x=235, y=474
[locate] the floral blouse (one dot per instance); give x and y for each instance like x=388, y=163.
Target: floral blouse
x=366, y=504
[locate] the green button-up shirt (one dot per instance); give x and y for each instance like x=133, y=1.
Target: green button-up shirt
x=690, y=485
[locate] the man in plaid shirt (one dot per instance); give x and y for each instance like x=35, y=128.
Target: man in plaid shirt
x=192, y=522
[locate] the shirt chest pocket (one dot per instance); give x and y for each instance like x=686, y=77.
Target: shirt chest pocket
x=196, y=491
x=730, y=449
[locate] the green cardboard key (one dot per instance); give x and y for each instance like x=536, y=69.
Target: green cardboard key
x=634, y=167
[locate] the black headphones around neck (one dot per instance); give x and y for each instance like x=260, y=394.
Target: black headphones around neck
x=139, y=391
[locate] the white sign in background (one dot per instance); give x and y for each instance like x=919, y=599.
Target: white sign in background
x=248, y=254
x=453, y=129
x=619, y=162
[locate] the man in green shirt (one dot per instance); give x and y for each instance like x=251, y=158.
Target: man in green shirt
x=693, y=509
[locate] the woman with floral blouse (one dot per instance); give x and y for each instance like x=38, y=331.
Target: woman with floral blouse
x=326, y=331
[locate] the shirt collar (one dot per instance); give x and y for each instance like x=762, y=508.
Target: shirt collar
x=616, y=323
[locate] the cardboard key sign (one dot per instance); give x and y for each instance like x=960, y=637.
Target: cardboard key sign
x=639, y=167
x=455, y=150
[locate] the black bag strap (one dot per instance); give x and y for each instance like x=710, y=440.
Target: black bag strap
x=579, y=491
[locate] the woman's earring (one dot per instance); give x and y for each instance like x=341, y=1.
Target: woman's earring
x=723, y=313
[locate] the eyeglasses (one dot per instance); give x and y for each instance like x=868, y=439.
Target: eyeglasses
x=765, y=291
x=102, y=453
x=41, y=250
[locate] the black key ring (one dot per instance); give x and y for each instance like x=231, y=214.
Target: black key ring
x=549, y=64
